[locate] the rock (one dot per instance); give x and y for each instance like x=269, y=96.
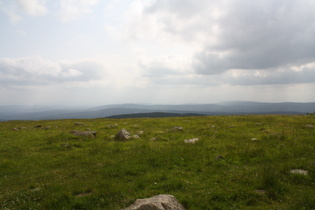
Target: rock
x=158, y=202
x=139, y=133
x=309, y=126
x=254, y=139
x=84, y=133
x=153, y=139
x=191, y=141
x=136, y=136
x=79, y=123
x=179, y=128
x=112, y=126
x=47, y=127
x=298, y=171
x=15, y=129
x=122, y=135
x=37, y=126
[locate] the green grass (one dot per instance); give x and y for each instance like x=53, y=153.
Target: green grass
x=52, y=169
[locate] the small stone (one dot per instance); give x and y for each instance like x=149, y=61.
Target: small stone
x=37, y=126
x=254, y=139
x=298, y=171
x=15, y=129
x=112, y=126
x=79, y=123
x=122, y=135
x=179, y=128
x=47, y=127
x=136, y=136
x=84, y=133
x=153, y=139
x=309, y=126
x=140, y=133
x=35, y=189
x=191, y=141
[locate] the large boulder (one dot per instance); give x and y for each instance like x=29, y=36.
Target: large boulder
x=122, y=135
x=84, y=133
x=158, y=202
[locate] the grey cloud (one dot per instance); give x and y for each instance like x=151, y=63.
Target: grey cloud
x=262, y=34
x=306, y=76
x=37, y=71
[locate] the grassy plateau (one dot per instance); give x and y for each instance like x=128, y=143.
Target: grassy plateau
x=239, y=162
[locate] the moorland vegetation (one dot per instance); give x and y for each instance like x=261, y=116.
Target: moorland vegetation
x=238, y=162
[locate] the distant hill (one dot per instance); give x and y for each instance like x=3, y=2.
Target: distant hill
x=223, y=108
x=154, y=115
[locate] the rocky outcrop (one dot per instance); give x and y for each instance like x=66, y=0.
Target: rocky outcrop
x=158, y=202
x=122, y=135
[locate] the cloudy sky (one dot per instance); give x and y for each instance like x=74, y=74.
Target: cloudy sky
x=95, y=52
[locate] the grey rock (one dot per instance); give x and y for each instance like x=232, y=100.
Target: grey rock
x=122, y=135
x=15, y=129
x=112, y=126
x=84, y=133
x=158, y=202
x=79, y=123
x=191, y=141
x=179, y=128
x=298, y=171
x=309, y=126
x=139, y=133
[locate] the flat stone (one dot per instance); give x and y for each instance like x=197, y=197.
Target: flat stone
x=179, y=128
x=79, y=123
x=158, y=202
x=298, y=171
x=191, y=141
x=84, y=133
x=139, y=133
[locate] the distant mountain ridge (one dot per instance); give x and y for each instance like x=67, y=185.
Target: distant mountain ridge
x=222, y=108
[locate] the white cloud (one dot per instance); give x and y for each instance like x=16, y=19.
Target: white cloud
x=33, y=7
x=30, y=71
x=73, y=9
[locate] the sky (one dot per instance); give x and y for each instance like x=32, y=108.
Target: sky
x=97, y=52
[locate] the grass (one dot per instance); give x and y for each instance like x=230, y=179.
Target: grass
x=52, y=169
